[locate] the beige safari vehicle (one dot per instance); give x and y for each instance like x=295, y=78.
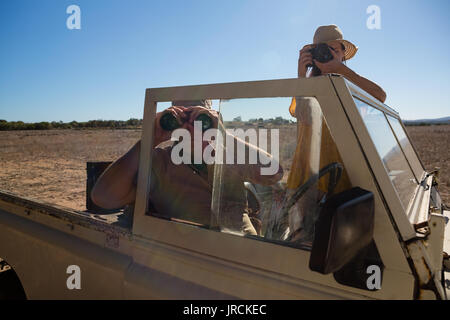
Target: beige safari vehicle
x=382, y=237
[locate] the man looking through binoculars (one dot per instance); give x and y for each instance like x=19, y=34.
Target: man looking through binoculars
x=183, y=191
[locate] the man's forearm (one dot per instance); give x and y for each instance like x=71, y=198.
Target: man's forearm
x=365, y=84
x=252, y=172
x=116, y=186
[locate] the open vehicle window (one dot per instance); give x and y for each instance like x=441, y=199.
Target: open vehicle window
x=389, y=150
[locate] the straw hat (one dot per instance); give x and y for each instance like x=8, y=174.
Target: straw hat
x=325, y=34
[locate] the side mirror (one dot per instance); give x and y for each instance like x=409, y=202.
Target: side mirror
x=344, y=227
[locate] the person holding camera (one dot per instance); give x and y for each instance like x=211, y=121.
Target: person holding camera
x=341, y=50
x=326, y=55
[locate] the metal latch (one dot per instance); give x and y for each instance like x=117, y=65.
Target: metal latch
x=422, y=229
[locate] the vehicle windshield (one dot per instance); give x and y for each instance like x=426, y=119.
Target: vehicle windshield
x=389, y=150
x=406, y=145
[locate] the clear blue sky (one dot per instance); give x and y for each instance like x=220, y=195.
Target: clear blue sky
x=51, y=73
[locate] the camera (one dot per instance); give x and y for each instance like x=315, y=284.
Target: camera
x=169, y=123
x=322, y=53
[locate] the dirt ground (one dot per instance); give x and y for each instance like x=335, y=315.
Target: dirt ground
x=50, y=166
x=433, y=145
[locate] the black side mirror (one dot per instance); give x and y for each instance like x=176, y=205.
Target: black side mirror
x=344, y=227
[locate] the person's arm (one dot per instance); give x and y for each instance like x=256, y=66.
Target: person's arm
x=254, y=172
x=116, y=187
x=336, y=66
x=364, y=83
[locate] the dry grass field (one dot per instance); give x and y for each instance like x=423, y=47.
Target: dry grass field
x=50, y=165
x=433, y=145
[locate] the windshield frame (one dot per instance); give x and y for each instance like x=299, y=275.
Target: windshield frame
x=412, y=158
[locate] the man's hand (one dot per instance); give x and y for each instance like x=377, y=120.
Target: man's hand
x=304, y=59
x=196, y=111
x=332, y=66
x=185, y=117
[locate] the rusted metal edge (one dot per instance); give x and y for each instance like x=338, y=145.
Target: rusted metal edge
x=84, y=219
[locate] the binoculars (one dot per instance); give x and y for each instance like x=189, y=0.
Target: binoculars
x=169, y=123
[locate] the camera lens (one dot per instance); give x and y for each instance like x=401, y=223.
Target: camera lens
x=207, y=122
x=168, y=122
x=322, y=53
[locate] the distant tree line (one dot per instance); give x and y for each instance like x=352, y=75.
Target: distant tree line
x=135, y=123
x=120, y=124
x=260, y=121
x=113, y=124
x=415, y=123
